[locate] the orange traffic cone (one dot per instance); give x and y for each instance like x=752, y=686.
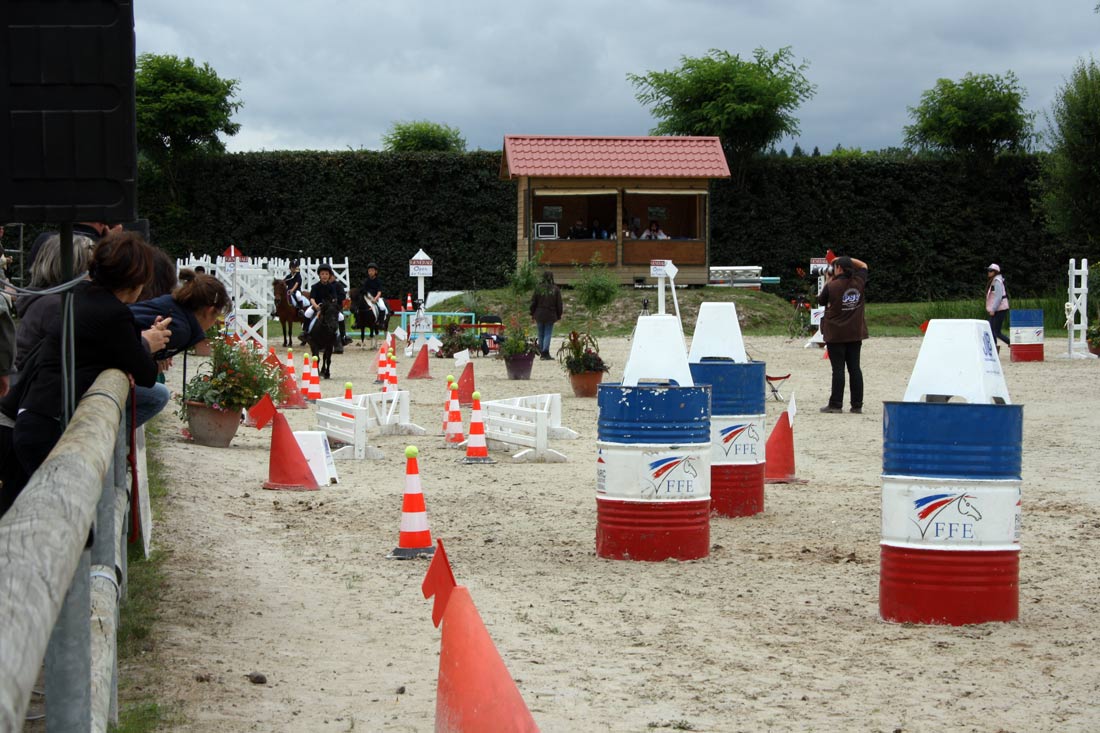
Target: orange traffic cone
x=314, y=381
x=383, y=365
x=455, y=438
x=408, y=301
x=779, y=453
x=466, y=385
x=447, y=403
x=393, y=372
x=347, y=396
x=475, y=691
x=415, y=539
x=288, y=468
x=924, y=326
x=419, y=368
x=290, y=366
x=476, y=449
x=306, y=380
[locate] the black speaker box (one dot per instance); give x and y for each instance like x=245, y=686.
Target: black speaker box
x=68, y=146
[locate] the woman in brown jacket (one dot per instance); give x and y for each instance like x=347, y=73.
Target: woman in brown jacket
x=546, y=309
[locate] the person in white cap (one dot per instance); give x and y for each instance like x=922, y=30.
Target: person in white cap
x=996, y=302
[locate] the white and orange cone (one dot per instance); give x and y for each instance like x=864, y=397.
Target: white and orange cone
x=382, y=365
x=347, y=396
x=408, y=301
x=393, y=372
x=415, y=539
x=290, y=367
x=454, y=437
x=314, y=381
x=477, y=451
x=447, y=403
x=306, y=381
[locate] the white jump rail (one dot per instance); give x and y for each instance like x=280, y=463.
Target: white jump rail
x=388, y=412
x=528, y=422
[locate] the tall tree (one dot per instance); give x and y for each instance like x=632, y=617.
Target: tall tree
x=1071, y=196
x=981, y=114
x=423, y=136
x=750, y=105
x=182, y=107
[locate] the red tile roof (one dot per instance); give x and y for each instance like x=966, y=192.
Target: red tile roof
x=613, y=157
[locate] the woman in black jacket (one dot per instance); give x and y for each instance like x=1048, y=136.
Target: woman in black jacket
x=546, y=309
x=106, y=337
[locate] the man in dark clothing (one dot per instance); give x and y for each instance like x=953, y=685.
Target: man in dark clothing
x=844, y=329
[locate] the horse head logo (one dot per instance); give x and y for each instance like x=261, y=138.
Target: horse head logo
x=967, y=509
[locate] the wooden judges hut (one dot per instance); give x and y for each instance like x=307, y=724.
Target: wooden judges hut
x=585, y=196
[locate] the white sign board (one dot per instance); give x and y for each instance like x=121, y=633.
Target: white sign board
x=420, y=265
x=818, y=265
x=657, y=268
x=318, y=453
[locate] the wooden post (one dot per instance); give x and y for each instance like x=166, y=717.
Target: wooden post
x=42, y=539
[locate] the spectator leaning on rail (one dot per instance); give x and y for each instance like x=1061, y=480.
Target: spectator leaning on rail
x=106, y=337
x=39, y=313
x=844, y=329
x=193, y=307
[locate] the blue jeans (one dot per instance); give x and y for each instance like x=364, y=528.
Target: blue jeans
x=546, y=332
x=150, y=401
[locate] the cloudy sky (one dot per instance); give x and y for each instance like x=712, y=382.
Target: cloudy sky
x=335, y=74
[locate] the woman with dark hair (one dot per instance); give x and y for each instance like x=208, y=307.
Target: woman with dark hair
x=293, y=282
x=193, y=307
x=105, y=336
x=546, y=309
x=164, y=279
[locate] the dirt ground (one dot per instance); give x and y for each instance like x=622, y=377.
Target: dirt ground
x=778, y=629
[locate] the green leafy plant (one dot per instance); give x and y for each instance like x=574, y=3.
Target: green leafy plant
x=580, y=353
x=235, y=378
x=518, y=340
x=595, y=289
x=455, y=339
x=1092, y=336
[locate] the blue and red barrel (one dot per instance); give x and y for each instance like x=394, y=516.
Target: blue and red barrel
x=1025, y=335
x=950, y=550
x=737, y=434
x=653, y=472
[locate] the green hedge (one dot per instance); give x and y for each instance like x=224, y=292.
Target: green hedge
x=926, y=228
x=367, y=206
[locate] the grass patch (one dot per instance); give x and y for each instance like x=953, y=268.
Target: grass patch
x=139, y=712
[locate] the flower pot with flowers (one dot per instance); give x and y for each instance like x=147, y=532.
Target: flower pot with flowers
x=234, y=379
x=1092, y=336
x=594, y=288
x=518, y=349
x=579, y=356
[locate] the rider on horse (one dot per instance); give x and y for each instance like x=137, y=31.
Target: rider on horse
x=327, y=288
x=371, y=290
x=293, y=282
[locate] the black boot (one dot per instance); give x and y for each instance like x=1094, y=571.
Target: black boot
x=344, y=340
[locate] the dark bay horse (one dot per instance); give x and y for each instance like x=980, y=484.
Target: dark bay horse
x=324, y=335
x=368, y=317
x=287, y=314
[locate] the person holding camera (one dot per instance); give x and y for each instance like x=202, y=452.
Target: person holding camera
x=844, y=328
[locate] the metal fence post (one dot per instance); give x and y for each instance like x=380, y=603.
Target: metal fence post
x=69, y=658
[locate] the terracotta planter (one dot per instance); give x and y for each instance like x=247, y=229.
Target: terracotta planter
x=203, y=348
x=585, y=384
x=210, y=427
x=519, y=367
x=1094, y=350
